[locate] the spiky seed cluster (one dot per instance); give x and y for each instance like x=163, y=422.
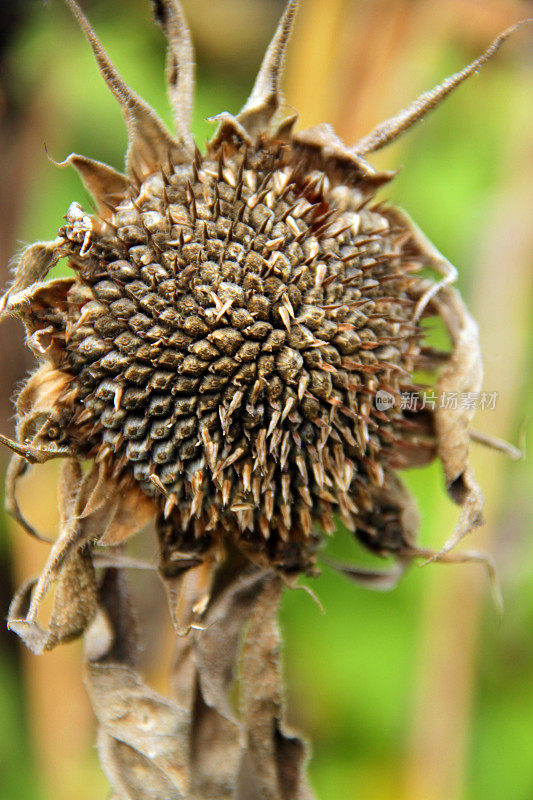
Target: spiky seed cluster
x=230, y=320
x=232, y=331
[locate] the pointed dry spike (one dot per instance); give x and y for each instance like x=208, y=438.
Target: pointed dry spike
x=288, y=408
x=255, y=391
x=197, y=480
x=286, y=487
x=338, y=454
x=286, y=515
x=180, y=65
x=239, y=181
x=288, y=305
x=215, y=210
x=318, y=472
x=235, y=402
x=260, y=446
x=264, y=527
x=266, y=97
x=231, y=459
x=192, y=202
x=107, y=186
x=284, y=314
x=328, y=368
x=274, y=244
x=85, y=415
x=300, y=463
x=267, y=223
x=206, y=436
x=216, y=300
x=156, y=480
x=305, y=234
x=227, y=305
x=346, y=517
x=221, y=164
x=305, y=495
x=230, y=233
x=242, y=507
x=285, y=447
x=252, y=201
x=198, y=157
x=292, y=226
x=212, y=518
x=229, y=177
x=275, y=440
x=226, y=491
x=273, y=422
x=269, y=476
x=303, y=383
x=320, y=274
x=305, y=520
x=148, y=139
x=196, y=505
x=269, y=504
x=247, y=477
x=391, y=129
x=212, y=454
x=169, y=505
x=119, y=391
x=195, y=175
x=327, y=496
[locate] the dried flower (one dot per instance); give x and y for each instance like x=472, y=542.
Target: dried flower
x=231, y=319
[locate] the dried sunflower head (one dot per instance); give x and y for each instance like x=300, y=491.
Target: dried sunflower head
x=231, y=348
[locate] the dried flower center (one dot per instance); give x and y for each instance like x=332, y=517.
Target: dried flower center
x=239, y=318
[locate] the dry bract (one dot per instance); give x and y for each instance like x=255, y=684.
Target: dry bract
x=215, y=358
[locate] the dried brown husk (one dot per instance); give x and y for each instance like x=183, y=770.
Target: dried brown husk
x=198, y=746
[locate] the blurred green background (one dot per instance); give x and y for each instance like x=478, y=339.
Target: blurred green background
x=421, y=693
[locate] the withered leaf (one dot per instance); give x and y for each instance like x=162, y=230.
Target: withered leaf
x=143, y=739
x=74, y=606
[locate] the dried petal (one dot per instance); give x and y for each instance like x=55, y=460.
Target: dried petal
x=149, y=142
x=180, y=65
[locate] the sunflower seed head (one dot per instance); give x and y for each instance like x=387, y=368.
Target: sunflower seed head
x=231, y=319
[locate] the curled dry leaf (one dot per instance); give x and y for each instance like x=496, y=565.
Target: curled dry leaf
x=462, y=373
x=74, y=606
x=143, y=737
x=152, y=747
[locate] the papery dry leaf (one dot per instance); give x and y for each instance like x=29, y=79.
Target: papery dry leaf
x=217, y=738
x=74, y=606
x=152, y=747
x=143, y=737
